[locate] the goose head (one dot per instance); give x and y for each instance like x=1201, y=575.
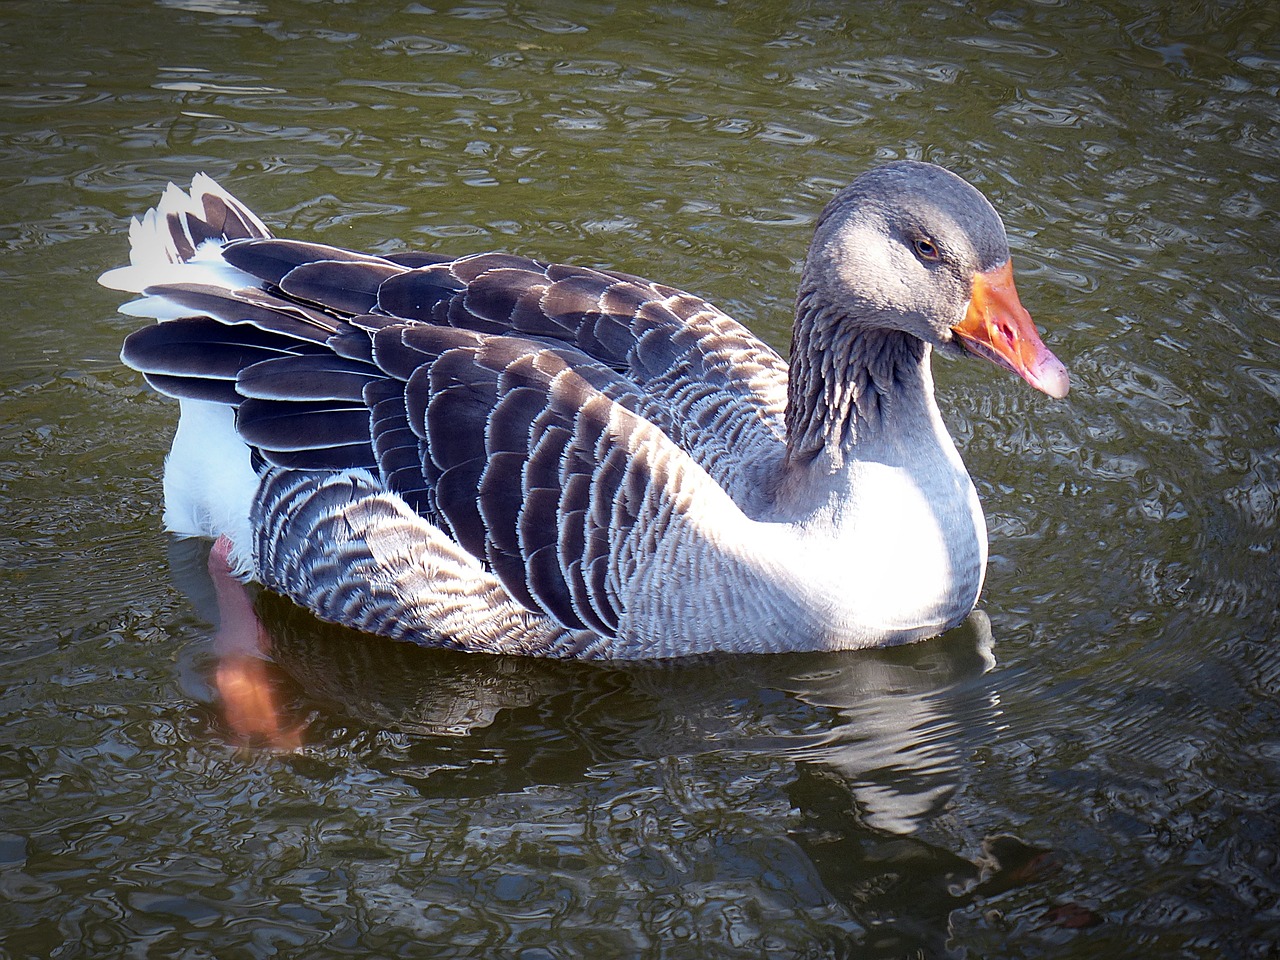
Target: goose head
x=911, y=247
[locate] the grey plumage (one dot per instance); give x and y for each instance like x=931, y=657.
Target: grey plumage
x=495, y=453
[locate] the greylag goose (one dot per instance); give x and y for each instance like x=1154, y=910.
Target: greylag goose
x=492, y=453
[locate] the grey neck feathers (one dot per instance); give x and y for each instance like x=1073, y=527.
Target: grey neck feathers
x=846, y=381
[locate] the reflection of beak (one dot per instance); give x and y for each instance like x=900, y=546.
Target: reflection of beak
x=997, y=327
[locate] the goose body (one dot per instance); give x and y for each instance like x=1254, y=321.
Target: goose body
x=497, y=454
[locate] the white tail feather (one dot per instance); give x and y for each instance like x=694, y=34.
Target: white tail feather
x=154, y=255
x=209, y=481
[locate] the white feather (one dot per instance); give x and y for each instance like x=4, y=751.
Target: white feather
x=206, y=267
x=209, y=483
x=154, y=257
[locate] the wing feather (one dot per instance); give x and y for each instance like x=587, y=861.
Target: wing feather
x=304, y=378
x=201, y=348
x=554, y=420
x=247, y=306
x=270, y=259
x=345, y=287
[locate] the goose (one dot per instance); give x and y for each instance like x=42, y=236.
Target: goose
x=496, y=454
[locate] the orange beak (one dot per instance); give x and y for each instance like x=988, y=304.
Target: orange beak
x=997, y=327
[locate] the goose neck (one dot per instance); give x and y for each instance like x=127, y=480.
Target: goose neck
x=850, y=385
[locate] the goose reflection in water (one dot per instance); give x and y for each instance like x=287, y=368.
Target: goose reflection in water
x=857, y=753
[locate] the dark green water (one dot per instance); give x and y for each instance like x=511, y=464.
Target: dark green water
x=1089, y=769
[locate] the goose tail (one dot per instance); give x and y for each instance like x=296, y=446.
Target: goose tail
x=209, y=479
x=180, y=239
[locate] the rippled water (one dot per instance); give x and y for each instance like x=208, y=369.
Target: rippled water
x=1089, y=767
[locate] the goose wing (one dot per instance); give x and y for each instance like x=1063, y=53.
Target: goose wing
x=531, y=454
x=559, y=423
x=710, y=384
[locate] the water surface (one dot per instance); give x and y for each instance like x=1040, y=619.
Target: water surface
x=1089, y=767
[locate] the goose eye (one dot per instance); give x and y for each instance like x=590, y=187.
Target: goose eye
x=926, y=249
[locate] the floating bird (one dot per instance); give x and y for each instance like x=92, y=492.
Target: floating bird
x=496, y=454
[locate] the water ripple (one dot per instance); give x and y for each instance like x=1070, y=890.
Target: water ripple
x=844, y=806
